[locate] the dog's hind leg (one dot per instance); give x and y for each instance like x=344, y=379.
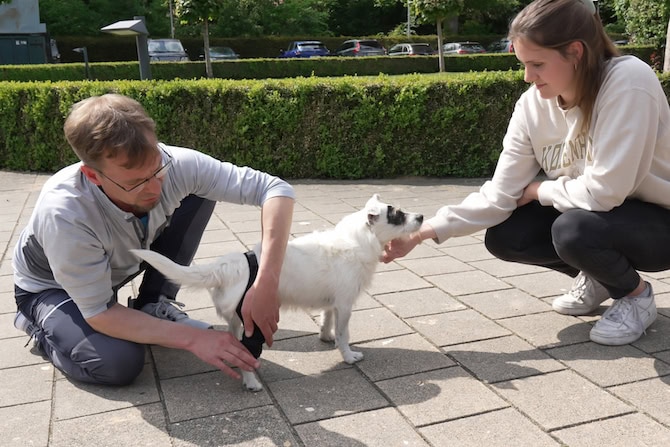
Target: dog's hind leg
x=327, y=325
x=342, y=336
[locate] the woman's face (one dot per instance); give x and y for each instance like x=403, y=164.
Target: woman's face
x=553, y=74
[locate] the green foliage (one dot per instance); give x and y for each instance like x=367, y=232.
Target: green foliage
x=646, y=21
x=436, y=11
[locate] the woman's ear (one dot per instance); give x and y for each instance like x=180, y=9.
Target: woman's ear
x=576, y=51
x=91, y=174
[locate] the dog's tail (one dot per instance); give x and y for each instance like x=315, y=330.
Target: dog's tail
x=227, y=270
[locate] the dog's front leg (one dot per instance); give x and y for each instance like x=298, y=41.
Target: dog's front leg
x=342, y=337
x=327, y=325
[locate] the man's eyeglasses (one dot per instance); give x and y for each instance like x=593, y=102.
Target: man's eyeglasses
x=159, y=174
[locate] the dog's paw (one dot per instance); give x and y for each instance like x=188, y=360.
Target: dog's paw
x=327, y=336
x=251, y=382
x=352, y=357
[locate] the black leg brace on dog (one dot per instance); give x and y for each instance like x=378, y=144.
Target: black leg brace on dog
x=254, y=344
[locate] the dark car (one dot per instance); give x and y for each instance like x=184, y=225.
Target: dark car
x=463, y=48
x=411, y=49
x=166, y=50
x=220, y=54
x=361, y=47
x=501, y=46
x=305, y=48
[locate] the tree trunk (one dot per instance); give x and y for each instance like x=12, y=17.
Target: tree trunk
x=440, y=50
x=208, y=61
x=666, y=59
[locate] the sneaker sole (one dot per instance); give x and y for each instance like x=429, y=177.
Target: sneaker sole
x=575, y=311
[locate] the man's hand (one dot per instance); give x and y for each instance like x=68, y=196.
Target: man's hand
x=220, y=349
x=261, y=306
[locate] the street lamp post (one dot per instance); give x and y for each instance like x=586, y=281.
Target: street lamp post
x=84, y=52
x=137, y=28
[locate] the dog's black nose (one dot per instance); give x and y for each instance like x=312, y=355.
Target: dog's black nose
x=419, y=218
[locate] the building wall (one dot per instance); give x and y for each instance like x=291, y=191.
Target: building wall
x=21, y=17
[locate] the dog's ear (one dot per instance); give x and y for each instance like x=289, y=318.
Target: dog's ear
x=373, y=216
x=372, y=201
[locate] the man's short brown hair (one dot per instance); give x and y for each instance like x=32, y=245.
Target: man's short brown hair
x=106, y=126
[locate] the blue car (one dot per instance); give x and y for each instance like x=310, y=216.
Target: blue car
x=305, y=48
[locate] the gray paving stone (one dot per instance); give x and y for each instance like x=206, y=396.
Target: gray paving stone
x=560, y=399
x=434, y=265
x=172, y=363
x=501, y=428
x=544, y=284
x=610, y=365
x=207, y=394
x=548, y=329
x=141, y=426
x=505, y=303
x=334, y=393
x=26, y=384
x=469, y=253
x=413, y=303
x=299, y=356
x=656, y=337
x=622, y=431
x=255, y=427
x=396, y=281
x=400, y=356
x=502, y=359
x=649, y=396
x=465, y=283
x=73, y=399
x=440, y=395
x=503, y=269
x=206, y=252
x=26, y=425
x=372, y=324
x=378, y=428
x=456, y=327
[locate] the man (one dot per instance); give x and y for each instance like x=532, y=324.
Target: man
x=130, y=191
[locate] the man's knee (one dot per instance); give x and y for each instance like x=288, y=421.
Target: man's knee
x=574, y=230
x=107, y=361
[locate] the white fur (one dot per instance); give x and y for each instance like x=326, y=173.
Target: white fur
x=324, y=270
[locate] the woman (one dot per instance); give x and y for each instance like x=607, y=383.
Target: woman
x=598, y=125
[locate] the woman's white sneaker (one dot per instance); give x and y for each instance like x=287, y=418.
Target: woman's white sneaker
x=626, y=320
x=583, y=298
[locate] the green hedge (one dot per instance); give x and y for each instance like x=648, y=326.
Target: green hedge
x=259, y=68
x=339, y=128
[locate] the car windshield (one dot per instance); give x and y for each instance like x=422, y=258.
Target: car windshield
x=370, y=43
x=221, y=51
x=312, y=46
x=472, y=46
x=422, y=49
x=165, y=47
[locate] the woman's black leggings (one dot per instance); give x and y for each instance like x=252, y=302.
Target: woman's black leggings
x=610, y=247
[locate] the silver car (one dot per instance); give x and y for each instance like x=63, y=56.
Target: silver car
x=166, y=50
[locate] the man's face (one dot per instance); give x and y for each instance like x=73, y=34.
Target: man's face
x=137, y=189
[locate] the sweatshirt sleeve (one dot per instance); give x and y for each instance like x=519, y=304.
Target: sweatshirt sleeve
x=624, y=131
x=497, y=198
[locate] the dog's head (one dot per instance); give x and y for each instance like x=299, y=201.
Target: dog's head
x=388, y=222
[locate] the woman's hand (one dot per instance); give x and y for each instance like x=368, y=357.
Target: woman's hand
x=529, y=194
x=398, y=248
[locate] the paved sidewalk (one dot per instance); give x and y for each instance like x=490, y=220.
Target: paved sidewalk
x=461, y=349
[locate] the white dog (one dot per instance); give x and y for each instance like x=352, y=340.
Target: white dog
x=325, y=270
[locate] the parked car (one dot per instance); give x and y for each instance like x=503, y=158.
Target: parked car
x=620, y=42
x=501, y=46
x=463, y=48
x=358, y=47
x=166, y=50
x=411, y=49
x=220, y=54
x=305, y=48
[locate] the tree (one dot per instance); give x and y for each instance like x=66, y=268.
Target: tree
x=437, y=11
x=199, y=12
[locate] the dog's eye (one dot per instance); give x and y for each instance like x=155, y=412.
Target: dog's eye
x=395, y=216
